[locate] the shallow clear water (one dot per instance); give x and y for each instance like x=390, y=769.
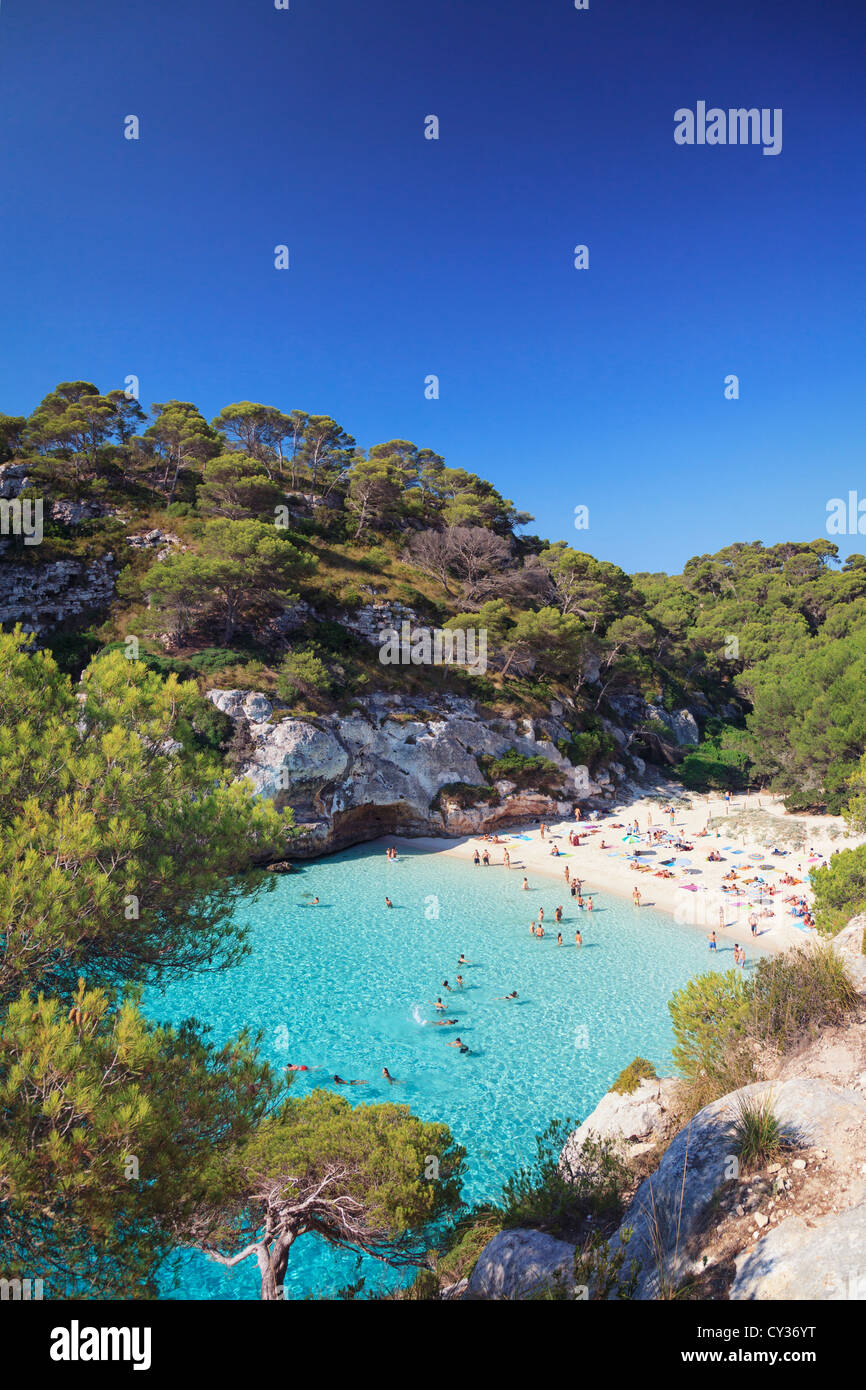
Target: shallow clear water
x=348, y=987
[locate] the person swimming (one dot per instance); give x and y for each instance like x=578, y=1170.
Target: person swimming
x=392, y=1080
x=294, y=1066
x=459, y=981
x=445, y=985
x=340, y=1082
x=438, y=1004
x=525, y=884
x=559, y=938
x=444, y=1022
x=388, y=902
x=463, y=960
x=512, y=995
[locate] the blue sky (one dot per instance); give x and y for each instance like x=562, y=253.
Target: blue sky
x=408, y=257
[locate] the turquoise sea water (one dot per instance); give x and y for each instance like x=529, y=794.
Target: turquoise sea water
x=347, y=987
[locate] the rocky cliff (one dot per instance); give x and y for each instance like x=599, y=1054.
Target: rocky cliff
x=793, y=1229
x=394, y=766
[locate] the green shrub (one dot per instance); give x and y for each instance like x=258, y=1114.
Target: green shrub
x=464, y=793
x=541, y=1194
x=522, y=769
x=721, y=761
x=302, y=673
x=212, y=727
x=798, y=992
x=840, y=890
x=600, y=1272
x=710, y=1016
x=724, y=1023
x=757, y=1132
x=586, y=749
x=630, y=1078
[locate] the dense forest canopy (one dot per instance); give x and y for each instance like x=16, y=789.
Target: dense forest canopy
x=266, y=507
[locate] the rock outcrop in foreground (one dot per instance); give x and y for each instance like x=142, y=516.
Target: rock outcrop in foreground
x=794, y=1230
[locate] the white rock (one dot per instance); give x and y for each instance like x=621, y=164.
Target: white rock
x=517, y=1263
x=669, y=1204
x=630, y=1118
x=821, y=1261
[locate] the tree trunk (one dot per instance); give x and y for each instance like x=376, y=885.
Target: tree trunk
x=273, y=1264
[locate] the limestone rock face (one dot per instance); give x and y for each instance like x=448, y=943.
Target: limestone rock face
x=515, y=1264
x=310, y=757
x=683, y=726
x=668, y=1206
x=631, y=1121
x=41, y=597
x=849, y=945
x=795, y=1261
x=13, y=479
x=380, y=769
x=71, y=513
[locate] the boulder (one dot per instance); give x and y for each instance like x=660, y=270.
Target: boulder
x=825, y=1260
x=849, y=945
x=683, y=726
x=256, y=708
x=631, y=1121
x=515, y=1264
x=668, y=1206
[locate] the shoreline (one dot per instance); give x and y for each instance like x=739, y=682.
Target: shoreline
x=612, y=871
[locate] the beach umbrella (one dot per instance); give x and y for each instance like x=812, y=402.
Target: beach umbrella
x=631, y=839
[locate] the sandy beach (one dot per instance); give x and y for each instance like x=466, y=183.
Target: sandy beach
x=744, y=831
